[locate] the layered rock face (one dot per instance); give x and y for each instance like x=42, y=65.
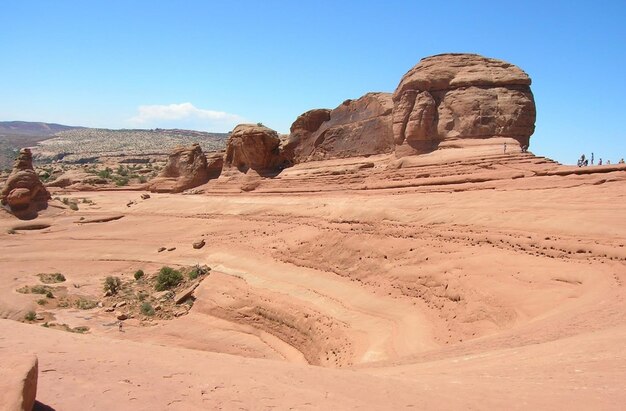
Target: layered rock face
x=355, y=128
x=23, y=192
x=255, y=147
x=186, y=168
x=454, y=96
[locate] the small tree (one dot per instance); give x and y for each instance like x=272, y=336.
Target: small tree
x=139, y=274
x=168, y=278
x=112, y=285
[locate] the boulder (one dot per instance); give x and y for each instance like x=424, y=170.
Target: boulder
x=18, y=382
x=458, y=96
x=356, y=128
x=186, y=168
x=199, y=244
x=253, y=147
x=187, y=293
x=23, y=191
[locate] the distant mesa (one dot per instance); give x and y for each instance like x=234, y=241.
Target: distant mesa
x=23, y=193
x=187, y=167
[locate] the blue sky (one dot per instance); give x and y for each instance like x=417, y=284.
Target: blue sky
x=210, y=64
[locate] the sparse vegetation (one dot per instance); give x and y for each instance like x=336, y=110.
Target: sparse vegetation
x=30, y=316
x=147, y=309
x=139, y=274
x=36, y=289
x=85, y=304
x=112, y=285
x=42, y=301
x=168, y=278
x=51, y=278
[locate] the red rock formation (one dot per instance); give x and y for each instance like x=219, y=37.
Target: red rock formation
x=452, y=96
x=23, y=192
x=355, y=128
x=253, y=147
x=18, y=381
x=186, y=168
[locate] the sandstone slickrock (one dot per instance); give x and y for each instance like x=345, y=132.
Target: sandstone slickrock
x=253, y=147
x=355, y=128
x=18, y=382
x=23, y=191
x=186, y=168
x=457, y=96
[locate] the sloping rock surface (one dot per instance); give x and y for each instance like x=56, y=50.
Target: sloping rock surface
x=18, y=382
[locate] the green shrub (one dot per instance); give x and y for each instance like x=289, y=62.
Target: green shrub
x=30, y=316
x=121, y=181
x=74, y=206
x=106, y=173
x=193, y=274
x=112, y=285
x=42, y=301
x=146, y=309
x=168, y=278
x=85, y=304
x=138, y=274
x=52, y=278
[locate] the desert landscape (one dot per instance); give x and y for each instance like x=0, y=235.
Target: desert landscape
x=403, y=250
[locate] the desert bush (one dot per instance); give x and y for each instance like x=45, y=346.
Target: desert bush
x=143, y=179
x=147, y=309
x=85, y=304
x=74, y=206
x=112, y=285
x=106, y=173
x=42, y=301
x=30, y=316
x=139, y=274
x=121, y=181
x=168, y=278
x=52, y=278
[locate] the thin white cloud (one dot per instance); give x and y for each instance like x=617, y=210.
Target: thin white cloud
x=183, y=115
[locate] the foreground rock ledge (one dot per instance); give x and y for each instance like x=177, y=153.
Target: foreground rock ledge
x=18, y=381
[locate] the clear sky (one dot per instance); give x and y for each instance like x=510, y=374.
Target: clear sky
x=211, y=64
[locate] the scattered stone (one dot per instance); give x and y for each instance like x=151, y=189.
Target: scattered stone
x=161, y=249
x=109, y=309
x=121, y=316
x=199, y=244
x=39, y=317
x=119, y=304
x=145, y=196
x=171, y=249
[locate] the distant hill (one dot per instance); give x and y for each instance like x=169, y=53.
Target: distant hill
x=28, y=128
x=82, y=144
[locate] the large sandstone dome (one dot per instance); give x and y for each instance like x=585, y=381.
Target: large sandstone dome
x=456, y=96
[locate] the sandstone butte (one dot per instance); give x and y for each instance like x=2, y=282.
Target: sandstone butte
x=389, y=253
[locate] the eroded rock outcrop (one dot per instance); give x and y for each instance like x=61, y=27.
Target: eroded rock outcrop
x=253, y=147
x=455, y=96
x=187, y=167
x=355, y=128
x=23, y=192
x=18, y=382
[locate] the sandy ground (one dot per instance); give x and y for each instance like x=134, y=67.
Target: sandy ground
x=492, y=283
